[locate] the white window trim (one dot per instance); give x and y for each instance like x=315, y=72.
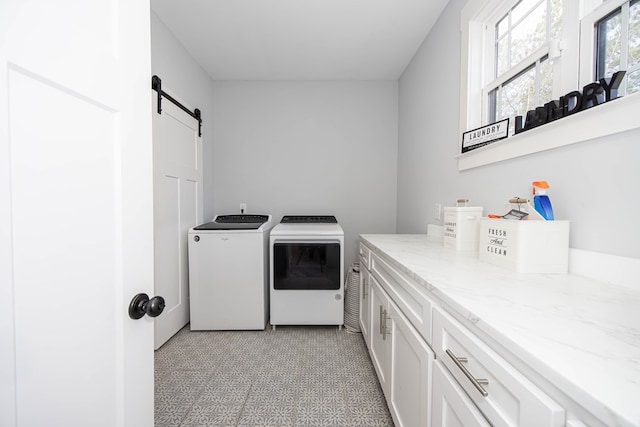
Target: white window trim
x=618, y=115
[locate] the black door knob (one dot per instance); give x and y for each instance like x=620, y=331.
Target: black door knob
x=155, y=306
x=141, y=305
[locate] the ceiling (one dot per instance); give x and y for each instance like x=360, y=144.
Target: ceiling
x=300, y=39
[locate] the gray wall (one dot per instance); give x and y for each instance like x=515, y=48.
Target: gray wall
x=291, y=147
x=594, y=184
x=183, y=77
x=309, y=148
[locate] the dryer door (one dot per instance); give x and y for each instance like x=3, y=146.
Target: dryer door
x=312, y=265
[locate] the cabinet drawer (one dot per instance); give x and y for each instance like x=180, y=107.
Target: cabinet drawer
x=451, y=406
x=365, y=256
x=408, y=295
x=503, y=395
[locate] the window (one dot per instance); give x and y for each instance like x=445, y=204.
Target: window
x=522, y=70
x=520, y=54
x=618, y=45
x=523, y=92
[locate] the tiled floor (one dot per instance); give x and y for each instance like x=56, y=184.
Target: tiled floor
x=293, y=376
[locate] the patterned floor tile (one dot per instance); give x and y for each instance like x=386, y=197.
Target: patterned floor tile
x=212, y=415
x=288, y=377
x=317, y=415
x=262, y=415
x=171, y=413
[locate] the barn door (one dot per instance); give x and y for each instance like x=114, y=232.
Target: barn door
x=177, y=181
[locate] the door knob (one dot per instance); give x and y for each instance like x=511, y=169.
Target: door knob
x=141, y=305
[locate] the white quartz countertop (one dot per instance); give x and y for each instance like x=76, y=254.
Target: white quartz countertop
x=582, y=335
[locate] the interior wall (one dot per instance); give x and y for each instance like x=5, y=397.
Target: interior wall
x=288, y=148
x=183, y=77
x=593, y=184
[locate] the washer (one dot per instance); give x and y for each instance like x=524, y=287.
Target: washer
x=228, y=273
x=307, y=271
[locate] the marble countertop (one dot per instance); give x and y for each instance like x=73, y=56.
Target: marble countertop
x=582, y=335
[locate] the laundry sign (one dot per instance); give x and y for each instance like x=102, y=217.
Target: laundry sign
x=593, y=94
x=485, y=135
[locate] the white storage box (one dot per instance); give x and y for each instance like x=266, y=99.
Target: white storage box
x=526, y=246
x=461, y=227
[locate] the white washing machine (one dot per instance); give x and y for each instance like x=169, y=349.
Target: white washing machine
x=228, y=273
x=307, y=271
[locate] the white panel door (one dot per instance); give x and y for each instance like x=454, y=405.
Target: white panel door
x=76, y=211
x=177, y=165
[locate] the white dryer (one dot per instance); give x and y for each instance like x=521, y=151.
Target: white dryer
x=307, y=271
x=228, y=273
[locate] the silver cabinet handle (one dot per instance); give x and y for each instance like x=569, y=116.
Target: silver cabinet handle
x=383, y=323
x=477, y=383
x=365, y=285
x=385, y=330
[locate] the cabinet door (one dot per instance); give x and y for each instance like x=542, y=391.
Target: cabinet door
x=365, y=304
x=410, y=377
x=451, y=407
x=380, y=344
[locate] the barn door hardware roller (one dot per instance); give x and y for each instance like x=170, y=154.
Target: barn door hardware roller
x=156, y=84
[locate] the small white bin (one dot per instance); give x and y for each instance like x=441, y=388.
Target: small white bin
x=526, y=246
x=461, y=227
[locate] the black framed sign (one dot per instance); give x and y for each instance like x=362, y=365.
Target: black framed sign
x=484, y=135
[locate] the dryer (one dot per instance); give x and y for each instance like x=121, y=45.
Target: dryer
x=306, y=271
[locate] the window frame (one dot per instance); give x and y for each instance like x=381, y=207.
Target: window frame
x=496, y=82
x=585, y=126
x=588, y=33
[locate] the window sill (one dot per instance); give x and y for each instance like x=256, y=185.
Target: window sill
x=619, y=115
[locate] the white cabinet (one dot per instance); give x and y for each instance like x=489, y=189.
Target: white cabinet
x=379, y=348
x=402, y=359
x=504, y=396
x=410, y=376
x=436, y=368
x=451, y=407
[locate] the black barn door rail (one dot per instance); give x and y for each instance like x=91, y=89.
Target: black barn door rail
x=156, y=84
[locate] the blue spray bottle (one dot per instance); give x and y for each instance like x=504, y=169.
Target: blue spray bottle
x=541, y=202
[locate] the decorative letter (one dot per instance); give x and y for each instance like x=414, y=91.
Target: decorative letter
x=611, y=85
x=571, y=107
x=591, y=95
x=518, y=125
x=531, y=121
x=554, y=110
